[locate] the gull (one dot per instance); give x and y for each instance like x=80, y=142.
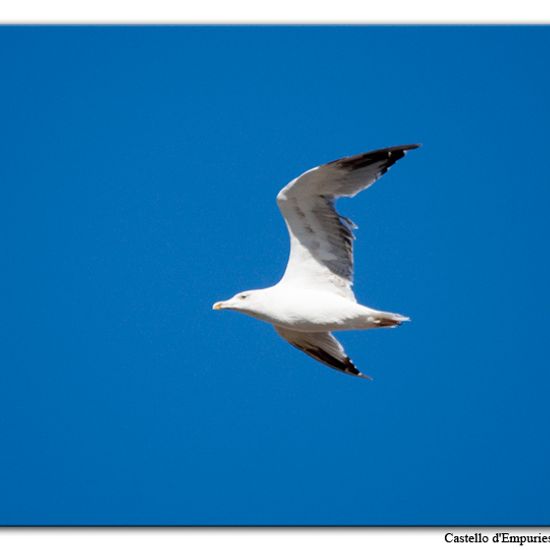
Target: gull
x=314, y=297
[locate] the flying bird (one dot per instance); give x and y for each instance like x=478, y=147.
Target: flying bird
x=315, y=296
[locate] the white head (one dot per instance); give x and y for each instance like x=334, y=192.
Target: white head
x=248, y=302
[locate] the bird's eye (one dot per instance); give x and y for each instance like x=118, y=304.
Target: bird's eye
x=242, y=296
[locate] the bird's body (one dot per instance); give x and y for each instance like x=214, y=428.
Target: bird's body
x=306, y=310
x=315, y=296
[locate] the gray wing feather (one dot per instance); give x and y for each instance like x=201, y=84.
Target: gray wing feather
x=321, y=240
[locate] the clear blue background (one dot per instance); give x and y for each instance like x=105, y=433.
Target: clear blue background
x=139, y=168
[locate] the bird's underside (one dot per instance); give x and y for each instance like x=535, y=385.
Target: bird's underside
x=321, y=260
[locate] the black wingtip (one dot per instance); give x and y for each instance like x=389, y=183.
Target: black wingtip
x=345, y=365
x=393, y=151
x=356, y=372
x=407, y=147
x=386, y=157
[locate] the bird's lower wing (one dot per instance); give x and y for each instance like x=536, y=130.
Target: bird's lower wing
x=323, y=347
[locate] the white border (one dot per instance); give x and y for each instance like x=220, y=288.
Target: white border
x=281, y=11
x=257, y=538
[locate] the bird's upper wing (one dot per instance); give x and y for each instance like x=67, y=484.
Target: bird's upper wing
x=323, y=347
x=321, y=240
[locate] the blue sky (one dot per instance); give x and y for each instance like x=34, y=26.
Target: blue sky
x=139, y=172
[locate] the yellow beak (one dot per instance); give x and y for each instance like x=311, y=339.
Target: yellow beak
x=218, y=305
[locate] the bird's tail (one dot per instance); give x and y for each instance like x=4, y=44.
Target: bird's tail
x=387, y=319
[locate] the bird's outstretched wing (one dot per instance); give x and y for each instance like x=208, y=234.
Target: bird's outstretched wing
x=321, y=240
x=323, y=347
